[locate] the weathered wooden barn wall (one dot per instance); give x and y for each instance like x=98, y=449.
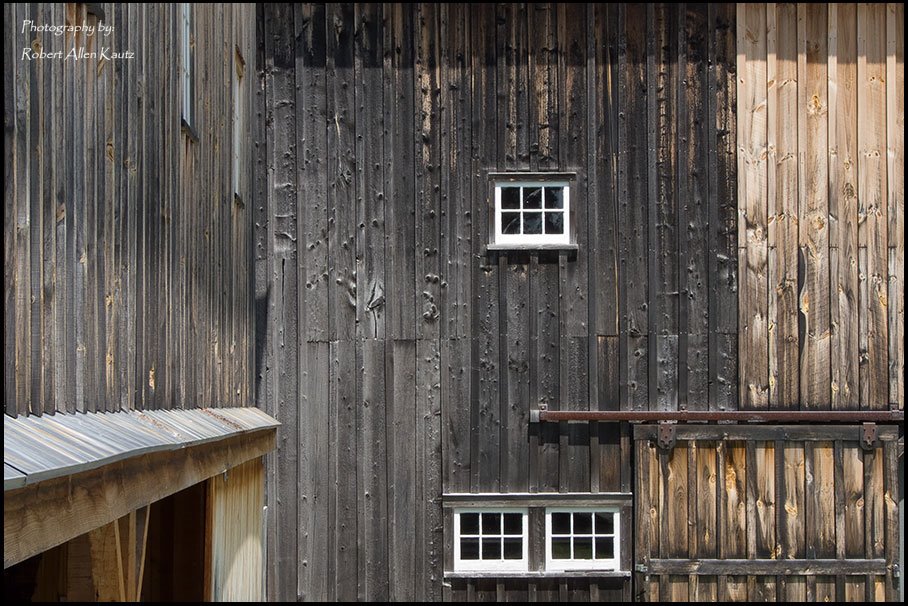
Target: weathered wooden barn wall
x=403, y=358
x=821, y=114
x=126, y=257
x=790, y=513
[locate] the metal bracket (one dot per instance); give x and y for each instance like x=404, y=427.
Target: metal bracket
x=666, y=436
x=868, y=436
x=640, y=568
x=534, y=412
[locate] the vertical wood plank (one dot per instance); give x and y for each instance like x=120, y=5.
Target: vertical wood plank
x=602, y=169
x=400, y=384
x=813, y=211
x=312, y=168
x=314, y=486
x=724, y=271
x=694, y=177
x=843, y=209
x=752, y=168
x=399, y=101
x=872, y=200
x=371, y=476
x=895, y=129
x=783, y=252
x=369, y=125
x=343, y=456
x=485, y=314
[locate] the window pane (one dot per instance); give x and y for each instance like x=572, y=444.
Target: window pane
x=491, y=523
x=583, y=549
x=532, y=223
x=469, y=549
x=554, y=223
x=561, y=523
x=513, y=549
x=510, y=197
x=583, y=523
x=513, y=523
x=605, y=548
x=532, y=197
x=605, y=523
x=469, y=523
x=554, y=197
x=561, y=549
x=510, y=223
x=491, y=549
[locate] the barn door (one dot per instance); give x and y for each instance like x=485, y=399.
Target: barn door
x=756, y=513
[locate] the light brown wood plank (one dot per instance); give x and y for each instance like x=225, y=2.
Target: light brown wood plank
x=813, y=231
x=895, y=125
x=783, y=201
x=872, y=198
x=843, y=209
x=752, y=225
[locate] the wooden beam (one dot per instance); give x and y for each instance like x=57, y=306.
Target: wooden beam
x=40, y=516
x=766, y=432
x=767, y=567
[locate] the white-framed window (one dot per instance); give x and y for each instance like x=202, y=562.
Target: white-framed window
x=582, y=538
x=186, y=62
x=490, y=539
x=239, y=122
x=532, y=213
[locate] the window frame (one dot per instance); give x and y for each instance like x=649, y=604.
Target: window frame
x=505, y=242
x=521, y=565
x=533, y=239
x=239, y=123
x=562, y=565
x=187, y=71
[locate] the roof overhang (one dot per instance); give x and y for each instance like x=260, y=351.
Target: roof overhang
x=67, y=474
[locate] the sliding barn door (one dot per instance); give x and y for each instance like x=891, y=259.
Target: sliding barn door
x=747, y=513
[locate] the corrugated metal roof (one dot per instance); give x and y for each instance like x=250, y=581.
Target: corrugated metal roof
x=37, y=448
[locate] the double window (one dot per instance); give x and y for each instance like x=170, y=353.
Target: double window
x=576, y=538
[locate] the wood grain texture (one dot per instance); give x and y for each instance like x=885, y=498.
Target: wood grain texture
x=104, y=218
x=752, y=200
x=834, y=146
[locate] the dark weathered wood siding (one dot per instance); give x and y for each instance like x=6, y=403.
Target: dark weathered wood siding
x=401, y=356
x=126, y=258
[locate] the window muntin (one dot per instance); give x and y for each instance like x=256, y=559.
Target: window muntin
x=490, y=539
x=582, y=538
x=532, y=212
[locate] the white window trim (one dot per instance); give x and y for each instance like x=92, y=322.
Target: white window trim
x=520, y=565
x=239, y=122
x=186, y=62
x=613, y=563
x=533, y=239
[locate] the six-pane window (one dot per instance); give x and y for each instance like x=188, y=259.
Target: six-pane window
x=581, y=538
x=490, y=539
x=532, y=213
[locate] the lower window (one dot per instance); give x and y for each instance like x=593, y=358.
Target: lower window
x=582, y=539
x=490, y=539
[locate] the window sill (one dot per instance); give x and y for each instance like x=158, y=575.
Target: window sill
x=537, y=574
x=189, y=131
x=530, y=247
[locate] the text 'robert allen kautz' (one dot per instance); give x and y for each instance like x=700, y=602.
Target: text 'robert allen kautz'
x=76, y=53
